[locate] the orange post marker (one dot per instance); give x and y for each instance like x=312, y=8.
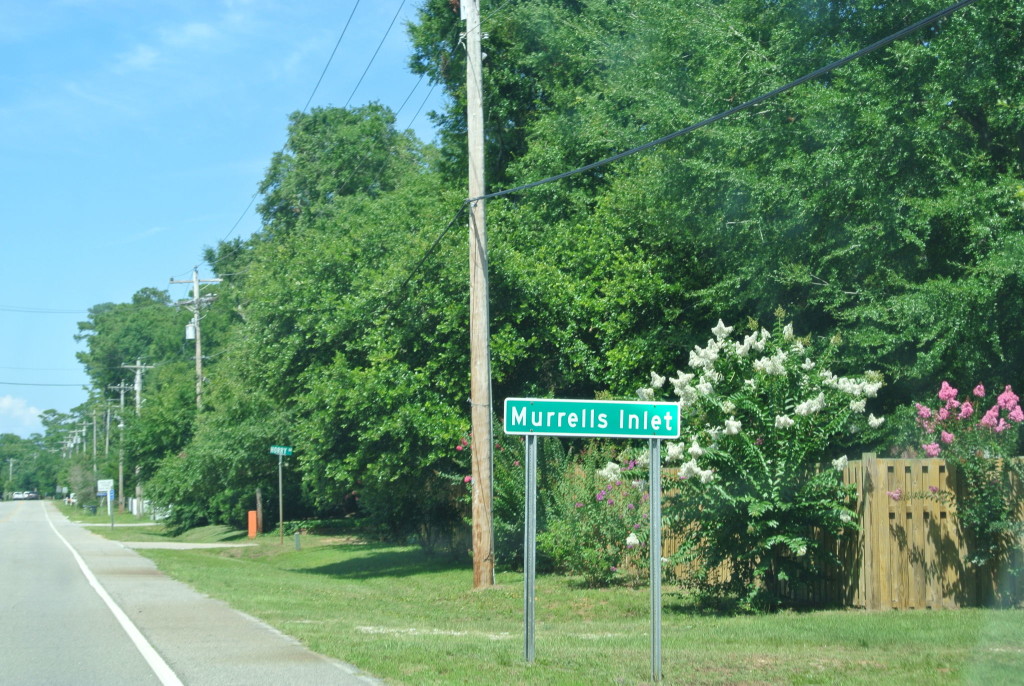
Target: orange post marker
x=252, y=523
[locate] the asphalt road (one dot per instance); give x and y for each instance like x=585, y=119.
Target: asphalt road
x=76, y=608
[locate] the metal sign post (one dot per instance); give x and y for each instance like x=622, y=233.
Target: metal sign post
x=654, y=496
x=530, y=548
x=280, y=451
x=106, y=486
x=535, y=417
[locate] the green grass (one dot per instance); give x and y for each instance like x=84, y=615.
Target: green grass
x=413, y=619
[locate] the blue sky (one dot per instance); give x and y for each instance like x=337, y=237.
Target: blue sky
x=134, y=133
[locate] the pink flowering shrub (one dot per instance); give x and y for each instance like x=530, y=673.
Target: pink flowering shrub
x=978, y=448
x=597, y=516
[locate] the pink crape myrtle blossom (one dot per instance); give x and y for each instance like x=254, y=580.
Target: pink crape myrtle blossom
x=976, y=439
x=1007, y=399
x=947, y=392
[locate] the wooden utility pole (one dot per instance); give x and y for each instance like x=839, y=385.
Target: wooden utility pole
x=121, y=388
x=194, y=306
x=138, y=368
x=479, y=316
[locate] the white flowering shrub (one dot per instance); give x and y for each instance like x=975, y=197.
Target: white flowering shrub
x=758, y=483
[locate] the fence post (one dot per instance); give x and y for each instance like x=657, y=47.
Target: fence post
x=869, y=564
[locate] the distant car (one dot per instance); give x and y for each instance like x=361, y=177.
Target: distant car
x=31, y=495
x=19, y=495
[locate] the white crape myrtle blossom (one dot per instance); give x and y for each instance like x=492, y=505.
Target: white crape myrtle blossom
x=859, y=405
x=674, y=451
x=612, y=471
x=721, y=330
x=689, y=469
x=681, y=381
x=686, y=393
x=632, y=541
x=867, y=387
x=875, y=422
x=705, y=388
x=845, y=517
x=809, y=407
x=692, y=469
x=774, y=365
x=808, y=365
x=783, y=422
x=839, y=464
x=695, y=449
x=729, y=407
x=657, y=381
x=704, y=358
x=787, y=332
x=732, y=426
x=645, y=393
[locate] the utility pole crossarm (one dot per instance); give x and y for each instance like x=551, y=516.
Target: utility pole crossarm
x=194, y=305
x=138, y=368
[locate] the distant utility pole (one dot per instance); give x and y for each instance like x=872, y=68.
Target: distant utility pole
x=138, y=367
x=194, y=305
x=121, y=388
x=94, y=440
x=479, y=316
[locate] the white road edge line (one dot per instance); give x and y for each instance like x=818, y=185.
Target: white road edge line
x=156, y=663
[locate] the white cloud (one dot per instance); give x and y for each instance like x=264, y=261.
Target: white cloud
x=142, y=235
x=15, y=412
x=188, y=35
x=140, y=58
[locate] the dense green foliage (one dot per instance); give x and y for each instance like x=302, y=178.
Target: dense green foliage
x=882, y=202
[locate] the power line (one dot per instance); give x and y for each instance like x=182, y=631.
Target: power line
x=68, y=385
x=374, y=56
x=38, y=310
x=333, y=53
x=693, y=127
x=252, y=199
x=738, y=108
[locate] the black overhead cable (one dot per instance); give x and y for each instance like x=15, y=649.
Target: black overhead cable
x=693, y=127
x=304, y=108
x=374, y=56
x=738, y=108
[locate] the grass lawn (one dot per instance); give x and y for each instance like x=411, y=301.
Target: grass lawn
x=413, y=619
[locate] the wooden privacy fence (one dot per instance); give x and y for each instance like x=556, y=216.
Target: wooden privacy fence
x=910, y=552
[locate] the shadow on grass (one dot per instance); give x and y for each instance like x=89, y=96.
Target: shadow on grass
x=374, y=562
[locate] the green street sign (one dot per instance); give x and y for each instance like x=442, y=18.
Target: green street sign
x=281, y=450
x=597, y=418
